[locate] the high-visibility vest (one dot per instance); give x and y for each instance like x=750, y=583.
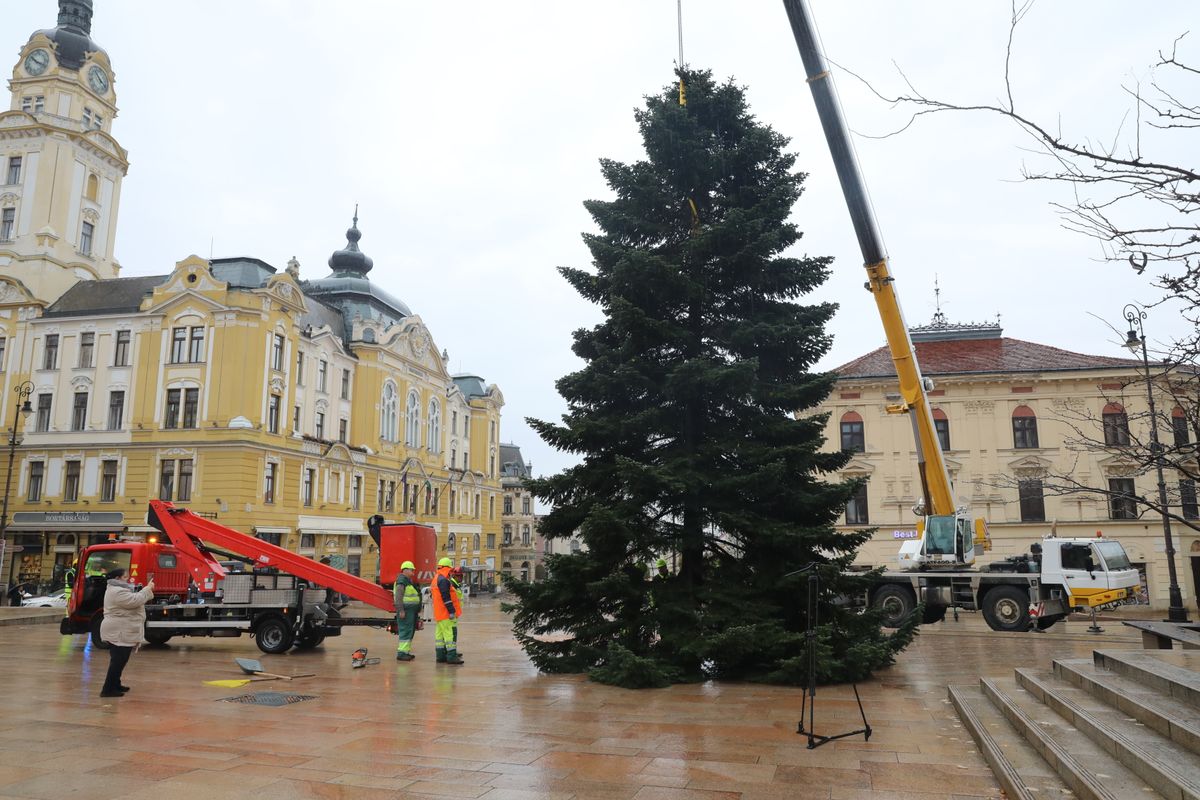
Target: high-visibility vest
x=406, y=592
x=443, y=592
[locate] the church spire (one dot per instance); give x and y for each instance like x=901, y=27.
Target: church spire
x=350, y=260
x=75, y=15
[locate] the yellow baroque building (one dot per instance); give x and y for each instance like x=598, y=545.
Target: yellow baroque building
x=290, y=409
x=1009, y=415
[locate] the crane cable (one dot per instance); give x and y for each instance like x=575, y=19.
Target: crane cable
x=683, y=102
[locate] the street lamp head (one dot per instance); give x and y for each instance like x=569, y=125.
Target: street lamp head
x=1133, y=342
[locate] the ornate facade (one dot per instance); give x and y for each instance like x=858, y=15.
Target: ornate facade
x=288, y=408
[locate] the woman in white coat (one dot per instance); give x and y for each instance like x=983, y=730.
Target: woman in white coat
x=122, y=627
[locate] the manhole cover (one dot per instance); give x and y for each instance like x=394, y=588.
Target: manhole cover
x=269, y=698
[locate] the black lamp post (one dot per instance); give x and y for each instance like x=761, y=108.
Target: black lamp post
x=23, y=390
x=1135, y=339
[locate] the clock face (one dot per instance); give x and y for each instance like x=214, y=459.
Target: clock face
x=36, y=62
x=98, y=80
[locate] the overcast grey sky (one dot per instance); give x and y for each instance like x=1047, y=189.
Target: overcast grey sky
x=469, y=135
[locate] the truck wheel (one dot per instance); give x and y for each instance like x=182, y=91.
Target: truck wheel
x=310, y=638
x=274, y=635
x=97, y=642
x=1006, y=608
x=894, y=603
x=157, y=637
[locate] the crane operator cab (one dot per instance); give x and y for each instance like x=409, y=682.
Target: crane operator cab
x=945, y=539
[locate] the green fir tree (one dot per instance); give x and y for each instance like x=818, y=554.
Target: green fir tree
x=683, y=418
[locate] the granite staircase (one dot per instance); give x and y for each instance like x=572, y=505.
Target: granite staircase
x=1124, y=724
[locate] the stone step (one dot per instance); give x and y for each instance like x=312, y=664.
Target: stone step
x=1157, y=669
x=1171, y=769
x=1175, y=721
x=1090, y=771
x=1021, y=771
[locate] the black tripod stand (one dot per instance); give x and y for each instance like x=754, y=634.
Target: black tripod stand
x=809, y=701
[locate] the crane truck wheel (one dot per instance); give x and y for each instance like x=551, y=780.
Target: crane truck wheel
x=309, y=638
x=932, y=614
x=97, y=642
x=1006, y=608
x=894, y=604
x=274, y=635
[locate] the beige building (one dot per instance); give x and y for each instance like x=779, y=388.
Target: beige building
x=287, y=406
x=1006, y=413
x=520, y=555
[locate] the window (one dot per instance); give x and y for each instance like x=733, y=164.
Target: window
x=852, y=433
x=306, y=490
x=387, y=413
x=507, y=540
x=273, y=413
x=308, y=541
x=356, y=492
x=437, y=496
x=116, y=410
x=277, y=354
x=322, y=374
x=87, y=349
x=270, y=537
x=320, y=424
x=37, y=473
x=191, y=402
x=296, y=419
x=166, y=479
x=1187, y=499
x=270, y=482
x=14, y=168
x=1121, y=502
x=8, y=221
x=35, y=104
x=342, y=429
x=524, y=505
x=43, y=412
x=508, y=505
x=491, y=541
x=71, y=482
x=525, y=536
x=3, y=343
x=491, y=506
x=1033, y=501
x=87, y=117
x=196, y=344
x=50, y=355
x=354, y=564
x=379, y=499
x=121, y=353
x=453, y=462
x=454, y=422
x=390, y=500
x=345, y=384
x=450, y=542
x=856, y=509
x=1179, y=423
x=466, y=461
x=412, y=431
x=184, y=489
x=299, y=369
x=178, y=345
x=1024, y=425
x=171, y=419
x=79, y=411
x=108, y=481
x=434, y=442
x=941, y=426
x=86, y=231
x=1116, y=428
x=92, y=192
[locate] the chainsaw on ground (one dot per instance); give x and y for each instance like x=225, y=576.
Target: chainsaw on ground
x=359, y=658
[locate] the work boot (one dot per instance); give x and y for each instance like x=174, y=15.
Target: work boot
x=454, y=660
x=404, y=656
x=441, y=655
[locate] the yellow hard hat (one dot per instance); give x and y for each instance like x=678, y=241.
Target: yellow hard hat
x=407, y=565
x=445, y=562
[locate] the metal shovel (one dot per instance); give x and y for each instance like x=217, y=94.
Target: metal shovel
x=252, y=667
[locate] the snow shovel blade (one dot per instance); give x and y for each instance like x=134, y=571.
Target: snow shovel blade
x=249, y=665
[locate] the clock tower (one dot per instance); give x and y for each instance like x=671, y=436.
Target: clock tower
x=60, y=167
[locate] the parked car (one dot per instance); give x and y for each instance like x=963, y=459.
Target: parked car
x=53, y=600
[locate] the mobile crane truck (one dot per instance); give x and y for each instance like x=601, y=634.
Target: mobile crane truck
x=285, y=599
x=1034, y=590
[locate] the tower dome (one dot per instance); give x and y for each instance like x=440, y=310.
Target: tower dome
x=73, y=35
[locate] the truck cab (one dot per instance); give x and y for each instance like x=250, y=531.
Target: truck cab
x=1092, y=572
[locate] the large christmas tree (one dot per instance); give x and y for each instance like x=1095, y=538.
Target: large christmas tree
x=683, y=417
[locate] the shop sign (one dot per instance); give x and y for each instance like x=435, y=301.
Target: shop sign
x=51, y=518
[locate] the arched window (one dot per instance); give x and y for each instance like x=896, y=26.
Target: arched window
x=93, y=188
x=1116, y=425
x=852, y=433
x=476, y=543
x=387, y=413
x=941, y=425
x=434, y=442
x=1024, y=425
x=450, y=543
x=412, y=418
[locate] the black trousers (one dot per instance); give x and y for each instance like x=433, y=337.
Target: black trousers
x=118, y=657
